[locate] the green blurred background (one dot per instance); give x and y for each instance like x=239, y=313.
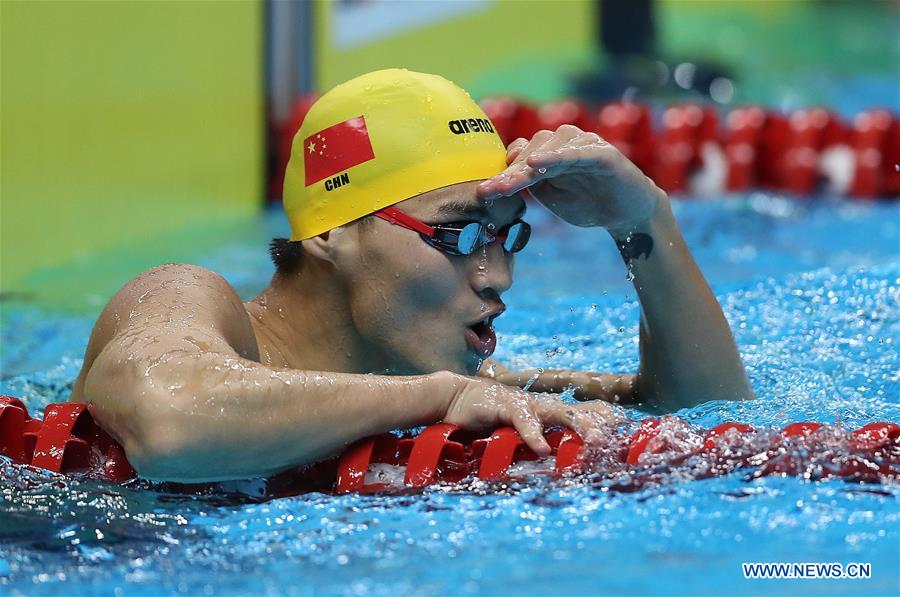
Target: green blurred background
x=137, y=133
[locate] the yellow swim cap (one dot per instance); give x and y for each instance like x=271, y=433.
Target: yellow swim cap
x=381, y=138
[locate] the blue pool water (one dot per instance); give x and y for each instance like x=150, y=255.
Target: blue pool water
x=810, y=289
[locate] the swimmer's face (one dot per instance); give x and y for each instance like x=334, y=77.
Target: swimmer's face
x=418, y=305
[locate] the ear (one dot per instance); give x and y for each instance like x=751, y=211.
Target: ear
x=320, y=247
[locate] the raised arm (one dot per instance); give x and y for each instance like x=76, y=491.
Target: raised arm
x=688, y=354
x=172, y=372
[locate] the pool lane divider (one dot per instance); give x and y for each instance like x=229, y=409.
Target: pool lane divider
x=66, y=440
x=690, y=148
x=69, y=441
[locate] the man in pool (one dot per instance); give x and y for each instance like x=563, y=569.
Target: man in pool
x=405, y=212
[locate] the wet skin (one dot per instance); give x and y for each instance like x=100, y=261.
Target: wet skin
x=183, y=374
x=370, y=334
x=398, y=305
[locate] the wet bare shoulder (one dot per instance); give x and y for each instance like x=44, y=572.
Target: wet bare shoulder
x=189, y=301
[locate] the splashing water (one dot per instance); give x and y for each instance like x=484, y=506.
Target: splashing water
x=533, y=378
x=679, y=452
x=811, y=292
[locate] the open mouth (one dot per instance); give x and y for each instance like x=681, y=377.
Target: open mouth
x=481, y=338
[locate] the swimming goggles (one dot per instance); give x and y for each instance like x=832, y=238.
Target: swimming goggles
x=461, y=238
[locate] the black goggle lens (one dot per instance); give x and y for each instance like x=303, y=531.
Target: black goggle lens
x=470, y=238
x=473, y=235
x=517, y=236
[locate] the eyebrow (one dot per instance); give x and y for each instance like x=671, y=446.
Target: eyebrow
x=457, y=208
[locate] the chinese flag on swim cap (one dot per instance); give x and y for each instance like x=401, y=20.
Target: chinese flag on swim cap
x=337, y=148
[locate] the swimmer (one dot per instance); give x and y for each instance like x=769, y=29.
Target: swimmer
x=406, y=213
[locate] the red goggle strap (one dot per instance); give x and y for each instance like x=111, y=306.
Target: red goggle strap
x=395, y=216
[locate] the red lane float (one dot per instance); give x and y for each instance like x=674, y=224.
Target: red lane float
x=552, y=115
x=812, y=133
x=511, y=118
x=69, y=441
x=66, y=440
x=686, y=128
x=628, y=126
x=876, y=149
x=803, y=152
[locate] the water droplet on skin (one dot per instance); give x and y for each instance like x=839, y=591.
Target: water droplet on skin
x=482, y=261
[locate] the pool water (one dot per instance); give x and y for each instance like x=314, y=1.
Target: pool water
x=810, y=289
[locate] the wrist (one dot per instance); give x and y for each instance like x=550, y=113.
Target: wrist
x=659, y=215
x=658, y=233
x=438, y=390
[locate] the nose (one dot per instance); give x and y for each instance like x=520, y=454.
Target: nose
x=492, y=269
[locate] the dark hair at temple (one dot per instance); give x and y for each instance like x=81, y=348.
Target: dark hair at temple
x=286, y=255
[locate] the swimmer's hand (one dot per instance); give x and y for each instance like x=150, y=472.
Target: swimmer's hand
x=579, y=177
x=480, y=404
x=687, y=351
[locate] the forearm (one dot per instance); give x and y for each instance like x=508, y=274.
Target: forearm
x=211, y=417
x=615, y=388
x=687, y=351
x=688, y=354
